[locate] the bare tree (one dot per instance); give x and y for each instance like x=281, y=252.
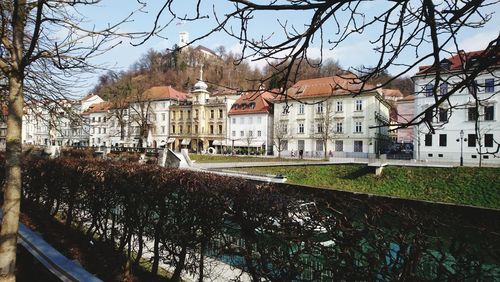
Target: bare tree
x=280, y=136
x=43, y=43
x=141, y=111
x=324, y=129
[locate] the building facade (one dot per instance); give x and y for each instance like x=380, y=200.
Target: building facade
x=199, y=124
x=476, y=119
x=251, y=121
x=325, y=115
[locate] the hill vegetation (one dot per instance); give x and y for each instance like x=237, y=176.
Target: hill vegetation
x=224, y=71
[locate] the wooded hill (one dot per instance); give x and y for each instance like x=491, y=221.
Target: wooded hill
x=223, y=71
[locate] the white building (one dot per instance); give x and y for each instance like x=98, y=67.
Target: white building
x=316, y=107
x=459, y=114
x=251, y=122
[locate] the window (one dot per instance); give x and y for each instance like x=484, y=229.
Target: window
x=259, y=133
x=488, y=140
x=358, y=127
x=443, y=115
x=173, y=128
x=284, y=126
x=212, y=113
x=234, y=120
x=319, y=108
x=340, y=107
x=211, y=129
x=489, y=112
x=196, y=113
x=189, y=114
x=489, y=85
x=93, y=120
x=301, y=109
x=220, y=128
x=99, y=130
x=99, y=119
x=162, y=129
x=339, y=145
x=472, y=113
x=242, y=133
x=196, y=129
x=104, y=119
x=428, y=115
x=471, y=140
x=181, y=129
x=443, y=88
x=173, y=115
x=301, y=128
x=442, y=140
x=428, y=90
x=284, y=110
x=221, y=114
x=163, y=116
x=428, y=140
x=284, y=145
x=359, y=105
x=250, y=133
x=358, y=146
x=104, y=130
x=339, y=127
x=319, y=128
x=233, y=133
x=319, y=145
x=98, y=140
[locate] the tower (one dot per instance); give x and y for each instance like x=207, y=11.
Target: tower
x=183, y=38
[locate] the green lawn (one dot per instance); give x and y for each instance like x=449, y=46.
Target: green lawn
x=239, y=158
x=461, y=185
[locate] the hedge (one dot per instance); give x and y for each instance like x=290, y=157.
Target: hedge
x=264, y=229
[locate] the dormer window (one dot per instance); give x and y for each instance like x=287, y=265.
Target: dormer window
x=445, y=64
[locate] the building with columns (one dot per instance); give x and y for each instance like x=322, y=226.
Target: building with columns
x=200, y=122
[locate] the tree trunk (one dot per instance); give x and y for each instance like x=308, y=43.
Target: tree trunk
x=12, y=189
x=156, y=252
x=180, y=265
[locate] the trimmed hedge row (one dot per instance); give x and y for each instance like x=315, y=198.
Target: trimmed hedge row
x=275, y=232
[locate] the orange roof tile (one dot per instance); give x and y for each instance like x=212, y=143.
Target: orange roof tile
x=157, y=93
x=456, y=61
x=98, y=108
x=253, y=103
x=327, y=86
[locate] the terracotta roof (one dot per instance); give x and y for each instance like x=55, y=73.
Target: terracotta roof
x=457, y=61
x=98, y=108
x=391, y=93
x=158, y=93
x=253, y=103
x=327, y=86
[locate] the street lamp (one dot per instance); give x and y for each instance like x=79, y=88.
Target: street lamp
x=461, y=140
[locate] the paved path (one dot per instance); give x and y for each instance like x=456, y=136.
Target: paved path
x=52, y=259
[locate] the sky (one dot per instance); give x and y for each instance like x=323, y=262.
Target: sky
x=353, y=52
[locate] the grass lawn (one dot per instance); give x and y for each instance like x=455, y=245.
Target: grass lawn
x=461, y=185
x=240, y=158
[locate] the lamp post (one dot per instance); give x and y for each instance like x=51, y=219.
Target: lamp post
x=461, y=140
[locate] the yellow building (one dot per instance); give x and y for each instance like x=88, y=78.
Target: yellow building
x=200, y=120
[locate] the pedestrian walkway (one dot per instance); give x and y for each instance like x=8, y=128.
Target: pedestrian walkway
x=53, y=260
